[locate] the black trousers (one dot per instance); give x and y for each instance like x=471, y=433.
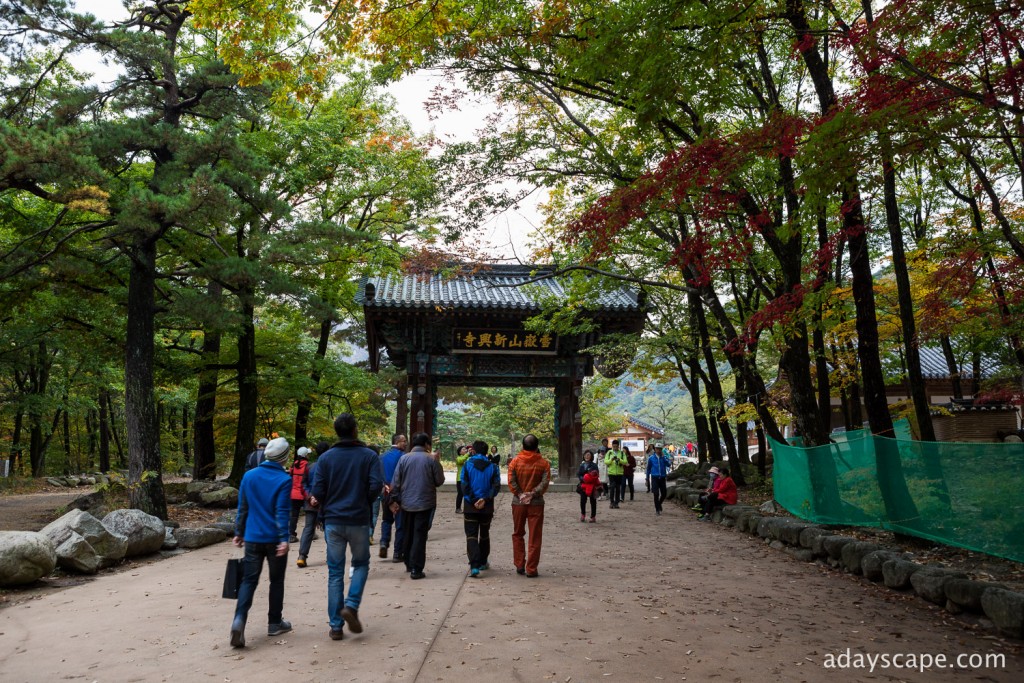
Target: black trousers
x=616, y=486
x=593, y=503
x=255, y=553
x=478, y=537
x=660, y=488
x=416, y=525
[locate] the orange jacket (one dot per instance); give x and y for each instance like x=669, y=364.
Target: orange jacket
x=529, y=472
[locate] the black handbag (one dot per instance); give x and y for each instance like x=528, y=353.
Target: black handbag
x=233, y=578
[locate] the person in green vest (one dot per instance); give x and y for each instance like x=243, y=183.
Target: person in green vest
x=461, y=456
x=615, y=460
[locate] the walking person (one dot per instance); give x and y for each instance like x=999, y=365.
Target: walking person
x=657, y=471
x=627, y=474
x=256, y=456
x=391, y=519
x=311, y=513
x=261, y=527
x=602, y=467
x=414, y=492
x=348, y=478
x=615, y=461
x=590, y=483
x=481, y=482
x=529, y=475
x=299, y=491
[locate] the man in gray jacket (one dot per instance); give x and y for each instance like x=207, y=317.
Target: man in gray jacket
x=414, y=492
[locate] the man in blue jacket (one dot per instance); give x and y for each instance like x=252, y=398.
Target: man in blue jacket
x=261, y=526
x=389, y=461
x=481, y=482
x=348, y=478
x=658, y=466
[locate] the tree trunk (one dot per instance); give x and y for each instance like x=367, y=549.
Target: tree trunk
x=922, y=411
x=16, y=446
x=951, y=365
x=205, y=464
x=305, y=406
x=145, y=485
x=104, y=428
x=248, y=393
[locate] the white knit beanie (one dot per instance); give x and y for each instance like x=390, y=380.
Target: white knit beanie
x=277, y=449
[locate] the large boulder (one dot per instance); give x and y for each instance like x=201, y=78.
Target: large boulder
x=75, y=554
x=145, y=533
x=853, y=554
x=226, y=497
x=1005, y=609
x=108, y=547
x=930, y=582
x=25, y=556
x=199, y=538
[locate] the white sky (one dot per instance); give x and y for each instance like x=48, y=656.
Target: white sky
x=505, y=236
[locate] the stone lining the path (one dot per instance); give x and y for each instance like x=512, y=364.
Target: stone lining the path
x=878, y=563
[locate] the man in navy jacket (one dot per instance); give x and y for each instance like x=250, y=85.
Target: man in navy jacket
x=348, y=479
x=481, y=482
x=261, y=526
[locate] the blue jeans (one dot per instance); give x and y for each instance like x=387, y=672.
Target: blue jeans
x=374, y=513
x=358, y=539
x=254, y=554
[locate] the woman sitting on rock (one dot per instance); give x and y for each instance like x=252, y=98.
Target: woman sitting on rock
x=724, y=493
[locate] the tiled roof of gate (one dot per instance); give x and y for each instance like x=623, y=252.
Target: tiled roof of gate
x=933, y=364
x=492, y=286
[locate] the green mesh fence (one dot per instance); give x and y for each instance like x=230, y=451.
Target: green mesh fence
x=969, y=495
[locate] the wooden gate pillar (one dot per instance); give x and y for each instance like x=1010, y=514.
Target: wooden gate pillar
x=402, y=407
x=424, y=397
x=568, y=426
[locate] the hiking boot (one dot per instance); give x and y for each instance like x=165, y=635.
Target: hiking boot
x=417, y=575
x=383, y=551
x=279, y=628
x=301, y=562
x=238, y=632
x=336, y=634
x=351, y=618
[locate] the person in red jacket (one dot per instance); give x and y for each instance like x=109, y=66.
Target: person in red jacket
x=724, y=493
x=299, y=492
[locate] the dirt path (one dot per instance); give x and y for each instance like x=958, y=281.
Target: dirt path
x=33, y=511
x=632, y=598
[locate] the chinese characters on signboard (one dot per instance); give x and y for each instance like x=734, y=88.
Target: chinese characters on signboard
x=486, y=340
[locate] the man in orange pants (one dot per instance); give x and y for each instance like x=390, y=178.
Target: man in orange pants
x=529, y=474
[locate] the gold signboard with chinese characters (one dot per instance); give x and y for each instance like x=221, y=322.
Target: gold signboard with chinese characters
x=490, y=340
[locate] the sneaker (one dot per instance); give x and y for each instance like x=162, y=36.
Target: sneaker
x=593, y=519
x=520, y=570
x=532, y=575
x=238, y=632
x=336, y=634
x=301, y=562
x=351, y=618
x=697, y=508
x=372, y=542
x=485, y=567
x=475, y=573
x=279, y=628
x=700, y=517
x=351, y=570
x=658, y=512
x=417, y=575
x=397, y=557
x=383, y=551
x=293, y=539
x=583, y=518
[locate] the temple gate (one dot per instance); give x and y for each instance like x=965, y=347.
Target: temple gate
x=466, y=329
